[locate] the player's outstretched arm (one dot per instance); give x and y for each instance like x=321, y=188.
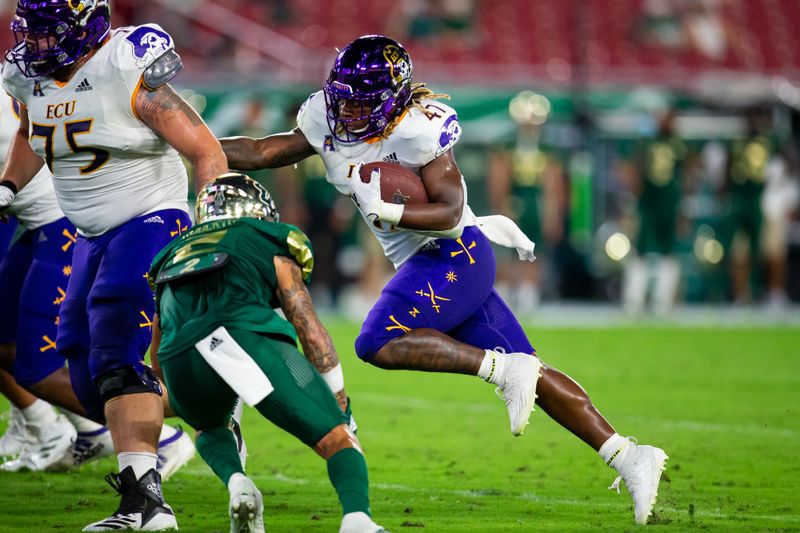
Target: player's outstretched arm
x=296, y=304
x=273, y=151
x=171, y=117
x=22, y=162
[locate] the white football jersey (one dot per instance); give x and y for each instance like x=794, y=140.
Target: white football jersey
x=36, y=203
x=108, y=166
x=418, y=139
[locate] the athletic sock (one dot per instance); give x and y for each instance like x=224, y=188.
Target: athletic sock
x=347, y=470
x=218, y=448
x=141, y=462
x=612, y=450
x=81, y=424
x=492, y=367
x=39, y=412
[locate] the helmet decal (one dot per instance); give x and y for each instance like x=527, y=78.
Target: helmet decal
x=399, y=69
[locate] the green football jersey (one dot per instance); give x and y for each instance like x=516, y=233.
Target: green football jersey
x=222, y=273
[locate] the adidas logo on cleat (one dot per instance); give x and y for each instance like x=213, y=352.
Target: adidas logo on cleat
x=83, y=86
x=214, y=343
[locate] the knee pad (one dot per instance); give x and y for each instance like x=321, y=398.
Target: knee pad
x=133, y=379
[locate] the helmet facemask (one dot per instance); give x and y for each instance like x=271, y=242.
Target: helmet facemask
x=235, y=195
x=369, y=85
x=53, y=34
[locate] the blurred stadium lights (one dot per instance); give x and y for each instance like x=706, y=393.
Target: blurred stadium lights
x=529, y=107
x=618, y=246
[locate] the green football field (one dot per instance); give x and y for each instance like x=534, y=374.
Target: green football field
x=723, y=403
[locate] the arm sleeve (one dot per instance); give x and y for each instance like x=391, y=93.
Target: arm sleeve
x=433, y=132
x=312, y=122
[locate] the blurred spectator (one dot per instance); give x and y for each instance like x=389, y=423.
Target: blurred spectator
x=747, y=173
x=526, y=184
x=449, y=26
x=780, y=200
x=657, y=184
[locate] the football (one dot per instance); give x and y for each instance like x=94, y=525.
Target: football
x=399, y=185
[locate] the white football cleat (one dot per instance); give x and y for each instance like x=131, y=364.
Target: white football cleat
x=640, y=468
x=88, y=446
x=49, y=443
x=173, y=451
x=246, y=506
x=16, y=436
x=359, y=523
x=518, y=389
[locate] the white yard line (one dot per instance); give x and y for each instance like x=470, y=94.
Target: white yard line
x=526, y=496
x=399, y=402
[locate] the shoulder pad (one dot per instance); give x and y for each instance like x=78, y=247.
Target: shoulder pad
x=162, y=70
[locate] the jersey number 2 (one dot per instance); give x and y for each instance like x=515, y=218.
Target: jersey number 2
x=71, y=129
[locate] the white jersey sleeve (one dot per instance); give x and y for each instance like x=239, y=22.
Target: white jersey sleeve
x=428, y=131
x=312, y=121
x=141, y=46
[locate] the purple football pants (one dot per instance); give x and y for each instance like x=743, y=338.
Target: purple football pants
x=34, y=274
x=107, y=314
x=447, y=286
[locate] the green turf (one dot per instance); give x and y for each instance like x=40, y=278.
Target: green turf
x=722, y=403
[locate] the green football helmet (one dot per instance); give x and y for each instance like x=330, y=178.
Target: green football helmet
x=235, y=195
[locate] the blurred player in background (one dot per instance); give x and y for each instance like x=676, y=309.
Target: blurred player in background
x=35, y=271
x=658, y=181
x=99, y=112
x=524, y=183
x=217, y=286
x=439, y=313
x=747, y=173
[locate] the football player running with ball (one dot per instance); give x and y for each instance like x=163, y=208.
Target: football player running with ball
x=97, y=109
x=216, y=287
x=440, y=312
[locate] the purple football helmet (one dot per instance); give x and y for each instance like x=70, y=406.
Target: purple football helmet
x=51, y=34
x=371, y=78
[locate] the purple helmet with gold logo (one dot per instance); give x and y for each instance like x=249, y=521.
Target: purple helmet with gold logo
x=373, y=74
x=51, y=34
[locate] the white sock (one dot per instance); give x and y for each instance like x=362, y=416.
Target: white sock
x=612, y=450
x=39, y=412
x=81, y=424
x=492, y=367
x=141, y=462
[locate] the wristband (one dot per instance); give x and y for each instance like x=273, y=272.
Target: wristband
x=391, y=213
x=334, y=378
x=10, y=185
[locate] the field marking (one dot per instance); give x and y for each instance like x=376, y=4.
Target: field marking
x=662, y=423
x=525, y=496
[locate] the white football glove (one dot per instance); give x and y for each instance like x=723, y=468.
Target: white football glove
x=367, y=197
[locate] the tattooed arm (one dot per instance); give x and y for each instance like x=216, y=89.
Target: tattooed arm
x=167, y=114
x=273, y=151
x=296, y=304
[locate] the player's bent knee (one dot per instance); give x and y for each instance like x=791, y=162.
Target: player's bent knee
x=337, y=439
x=134, y=379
